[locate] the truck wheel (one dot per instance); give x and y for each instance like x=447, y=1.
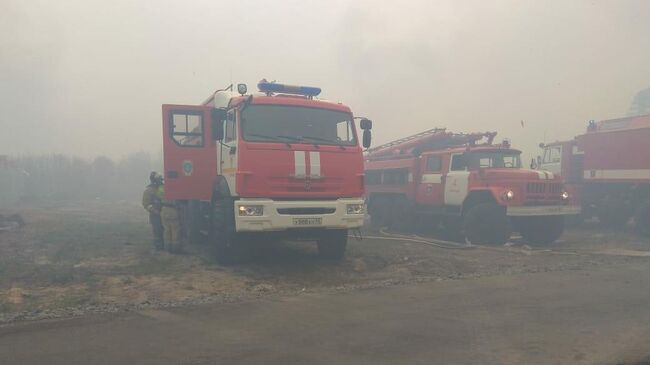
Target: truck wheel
x=574, y=220
x=613, y=213
x=541, y=230
x=227, y=243
x=193, y=219
x=376, y=219
x=332, y=244
x=642, y=220
x=379, y=213
x=487, y=223
x=452, y=229
x=403, y=218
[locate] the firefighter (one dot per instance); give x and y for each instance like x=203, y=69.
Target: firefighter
x=171, y=222
x=152, y=204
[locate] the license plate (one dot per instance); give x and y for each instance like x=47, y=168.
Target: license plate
x=307, y=221
x=554, y=209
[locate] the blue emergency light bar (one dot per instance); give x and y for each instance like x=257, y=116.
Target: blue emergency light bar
x=272, y=87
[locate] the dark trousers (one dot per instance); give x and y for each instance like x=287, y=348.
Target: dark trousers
x=157, y=229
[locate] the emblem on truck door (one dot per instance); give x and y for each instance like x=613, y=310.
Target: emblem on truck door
x=307, y=184
x=188, y=168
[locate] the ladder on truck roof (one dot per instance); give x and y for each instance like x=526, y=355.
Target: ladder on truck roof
x=406, y=139
x=429, y=140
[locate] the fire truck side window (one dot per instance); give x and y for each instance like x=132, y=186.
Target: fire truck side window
x=187, y=129
x=395, y=176
x=344, y=131
x=230, y=132
x=434, y=163
x=373, y=177
x=552, y=155
x=457, y=163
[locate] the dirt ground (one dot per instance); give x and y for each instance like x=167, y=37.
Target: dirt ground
x=95, y=256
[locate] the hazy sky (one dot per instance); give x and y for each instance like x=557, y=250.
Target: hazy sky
x=88, y=77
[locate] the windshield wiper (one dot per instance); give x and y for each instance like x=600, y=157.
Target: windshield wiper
x=317, y=139
x=264, y=136
x=291, y=138
x=337, y=143
x=275, y=138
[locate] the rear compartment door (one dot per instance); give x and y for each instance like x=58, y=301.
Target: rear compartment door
x=190, y=155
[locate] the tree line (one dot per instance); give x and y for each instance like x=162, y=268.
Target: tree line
x=63, y=177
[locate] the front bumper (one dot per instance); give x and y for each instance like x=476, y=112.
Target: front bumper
x=272, y=220
x=542, y=210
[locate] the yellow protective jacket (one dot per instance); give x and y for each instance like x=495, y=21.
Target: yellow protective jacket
x=151, y=201
x=168, y=211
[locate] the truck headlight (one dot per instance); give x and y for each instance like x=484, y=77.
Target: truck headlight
x=509, y=195
x=251, y=210
x=565, y=195
x=356, y=209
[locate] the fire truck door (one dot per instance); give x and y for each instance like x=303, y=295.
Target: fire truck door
x=456, y=181
x=430, y=187
x=229, y=150
x=189, y=153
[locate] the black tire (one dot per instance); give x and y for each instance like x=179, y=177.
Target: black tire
x=642, y=220
x=379, y=213
x=487, y=223
x=332, y=244
x=193, y=222
x=228, y=245
x=451, y=229
x=613, y=212
x=541, y=230
x=426, y=223
x=573, y=220
x=403, y=217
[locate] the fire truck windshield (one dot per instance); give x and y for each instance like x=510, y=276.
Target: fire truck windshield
x=494, y=159
x=276, y=123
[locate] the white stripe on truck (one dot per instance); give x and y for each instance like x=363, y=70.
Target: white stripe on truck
x=300, y=168
x=314, y=165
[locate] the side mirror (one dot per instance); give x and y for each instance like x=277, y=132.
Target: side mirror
x=218, y=116
x=533, y=164
x=365, y=124
x=367, y=137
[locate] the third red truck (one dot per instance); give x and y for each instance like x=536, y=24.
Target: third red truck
x=608, y=167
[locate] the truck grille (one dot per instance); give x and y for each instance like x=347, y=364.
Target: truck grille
x=303, y=211
x=540, y=193
x=555, y=188
x=536, y=188
x=543, y=188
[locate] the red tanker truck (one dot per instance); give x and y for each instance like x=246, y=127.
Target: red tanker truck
x=471, y=187
x=608, y=167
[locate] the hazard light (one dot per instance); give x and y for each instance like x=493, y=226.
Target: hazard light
x=273, y=87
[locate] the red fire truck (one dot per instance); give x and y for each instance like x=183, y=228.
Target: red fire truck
x=609, y=168
x=281, y=161
x=475, y=189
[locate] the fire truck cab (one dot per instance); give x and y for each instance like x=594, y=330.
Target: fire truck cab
x=278, y=163
x=608, y=168
x=473, y=188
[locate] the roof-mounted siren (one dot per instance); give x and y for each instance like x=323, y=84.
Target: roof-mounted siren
x=269, y=88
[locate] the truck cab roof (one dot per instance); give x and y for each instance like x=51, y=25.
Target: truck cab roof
x=229, y=99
